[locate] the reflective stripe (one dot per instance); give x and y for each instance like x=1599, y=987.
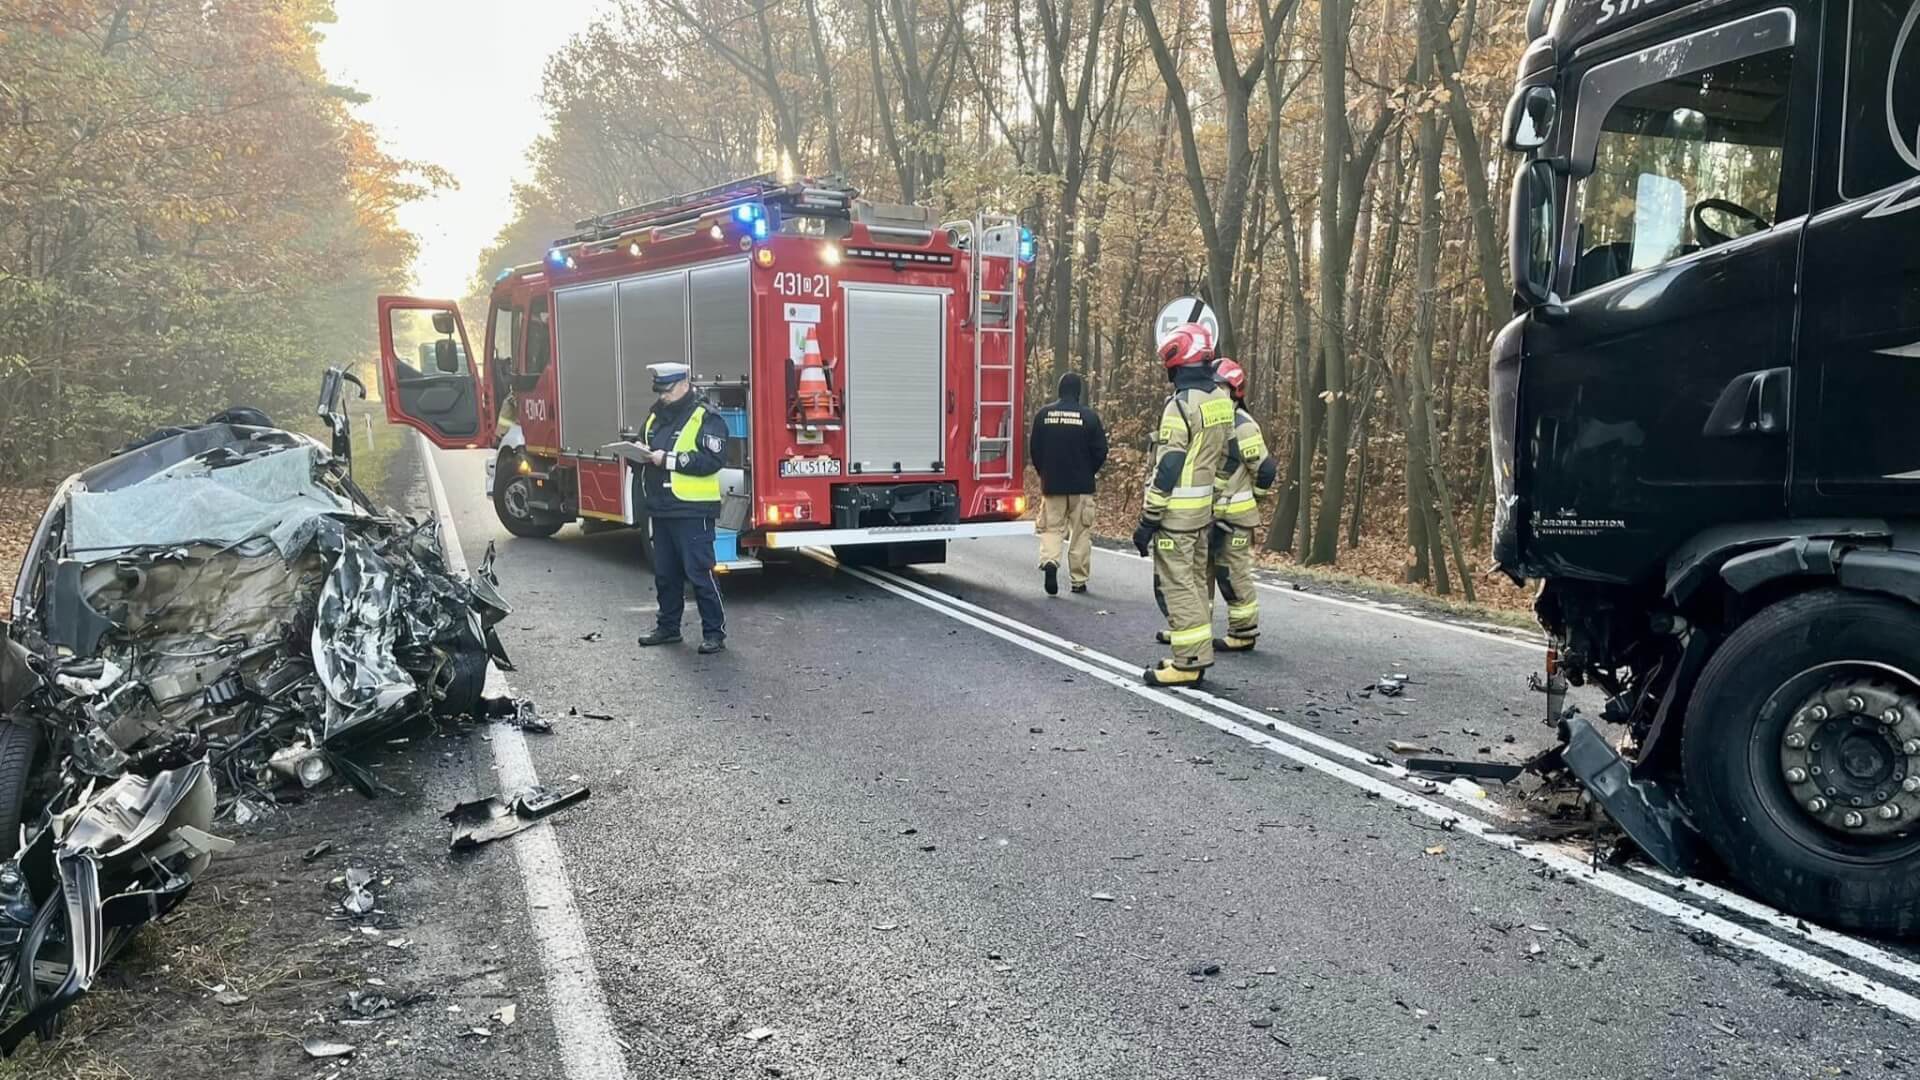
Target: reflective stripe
x=1190, y=491
x=1192, y=502
x=1154, y=498
x=1243, y=611
x=1192, y=635
x=1234, y=506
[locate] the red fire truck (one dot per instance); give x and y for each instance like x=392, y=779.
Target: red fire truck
x=868, y=362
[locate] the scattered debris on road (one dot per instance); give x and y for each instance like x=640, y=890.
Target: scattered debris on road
x=319, y=1048
x=482, y=821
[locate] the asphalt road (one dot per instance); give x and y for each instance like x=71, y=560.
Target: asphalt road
x=916, y=839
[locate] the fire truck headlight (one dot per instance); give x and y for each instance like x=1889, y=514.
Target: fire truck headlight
x=716, y=232
x=633, y=249
x=764, y=257
x=830, y=254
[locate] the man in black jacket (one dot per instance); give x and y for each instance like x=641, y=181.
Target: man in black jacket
x=680, y=488
x=1067, y=445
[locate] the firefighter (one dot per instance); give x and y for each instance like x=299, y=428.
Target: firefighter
x=1067, y=446
x=680, y=488
x=1249, y=472
x=1175, y=522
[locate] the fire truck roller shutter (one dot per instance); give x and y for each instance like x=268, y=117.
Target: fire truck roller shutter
x=896, y=367
x=653, y=330
x=722, y=310
x=589, y=403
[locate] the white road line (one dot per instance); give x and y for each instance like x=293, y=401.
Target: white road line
x=1807, y=964
x=1373, y=609
x=582, y=1026
x=1293, y=731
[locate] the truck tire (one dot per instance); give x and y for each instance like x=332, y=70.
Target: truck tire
x=1788, y=759
x=19, y=748
x=510, y=495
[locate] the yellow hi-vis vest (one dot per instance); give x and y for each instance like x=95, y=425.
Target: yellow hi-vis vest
x=686, y=487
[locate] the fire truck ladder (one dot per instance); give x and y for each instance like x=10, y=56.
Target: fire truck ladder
x=996, y=312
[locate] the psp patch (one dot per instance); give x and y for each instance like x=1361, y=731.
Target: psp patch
x=713, y=443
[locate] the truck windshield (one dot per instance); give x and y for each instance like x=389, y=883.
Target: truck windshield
x=1681, y=162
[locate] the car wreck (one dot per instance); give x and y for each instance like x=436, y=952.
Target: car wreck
x=214, y=611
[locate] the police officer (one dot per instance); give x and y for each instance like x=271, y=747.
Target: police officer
x=1067, y=446
x=1249, y=473
x=1190, y=449
x=680, y=487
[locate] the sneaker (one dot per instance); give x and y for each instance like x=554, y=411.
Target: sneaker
x=712, y=645
x=658, y=637
x=1050, y=576
x=1080, y=588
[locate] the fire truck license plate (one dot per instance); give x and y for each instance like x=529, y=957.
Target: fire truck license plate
x=810, y=466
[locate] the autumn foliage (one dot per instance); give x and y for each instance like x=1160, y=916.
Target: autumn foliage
x=189, y=219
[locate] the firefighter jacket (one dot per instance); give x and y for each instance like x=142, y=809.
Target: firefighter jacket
x=1190, y=450
x=1067, y=444
x=694, y=438
x=1249, y=472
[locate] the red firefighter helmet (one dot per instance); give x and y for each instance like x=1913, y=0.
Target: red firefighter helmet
x=1189, y=343
x=1228, y=373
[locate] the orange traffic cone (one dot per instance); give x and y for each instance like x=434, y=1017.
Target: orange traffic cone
x=815, y=397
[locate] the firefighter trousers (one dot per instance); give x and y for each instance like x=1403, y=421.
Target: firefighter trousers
x=1180, y=565
x=1067, y=521
x=1233, y=573
x=683, y=556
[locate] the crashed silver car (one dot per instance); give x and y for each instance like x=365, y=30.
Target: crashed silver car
x=215, y=610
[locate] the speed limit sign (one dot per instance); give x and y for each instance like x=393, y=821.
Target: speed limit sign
x=1187, y=309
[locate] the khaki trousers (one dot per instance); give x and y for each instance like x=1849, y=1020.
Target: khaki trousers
x=1180, y=562
x=1067, y=521
x=1233, y=572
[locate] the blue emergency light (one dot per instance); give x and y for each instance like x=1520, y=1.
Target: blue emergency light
x=746, y=211
x=1026, y=245
x=556, y=257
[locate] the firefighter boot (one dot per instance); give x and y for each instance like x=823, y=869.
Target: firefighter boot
x=658, y=637
x=1050, y=578
x=1169, y=673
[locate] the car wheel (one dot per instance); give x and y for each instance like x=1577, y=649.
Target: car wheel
x=19, y=750
x=512, y=495
x=1801, y=755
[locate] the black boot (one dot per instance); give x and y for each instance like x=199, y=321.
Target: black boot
x=1050, y=579
x=712, y=645
x=658, y=636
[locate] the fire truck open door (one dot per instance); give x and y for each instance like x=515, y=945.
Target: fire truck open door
x=427, y=375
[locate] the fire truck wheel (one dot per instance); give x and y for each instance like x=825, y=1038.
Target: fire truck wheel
x=1801, y=754
x=19, y=750
x=511, y=492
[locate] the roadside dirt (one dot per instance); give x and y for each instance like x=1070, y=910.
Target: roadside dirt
x=20, y=510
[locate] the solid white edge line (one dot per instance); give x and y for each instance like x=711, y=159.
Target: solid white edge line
x=1371, y=609
x=582, y=1025
x=1829, y=939
x=1843, y=979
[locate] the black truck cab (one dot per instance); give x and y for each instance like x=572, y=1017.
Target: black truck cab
x=1701, y=419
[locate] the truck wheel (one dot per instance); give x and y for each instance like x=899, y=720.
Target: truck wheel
x=19, y=747
x=1801, y=755
x=511, y=494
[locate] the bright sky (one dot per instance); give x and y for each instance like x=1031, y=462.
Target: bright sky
x=455, y=83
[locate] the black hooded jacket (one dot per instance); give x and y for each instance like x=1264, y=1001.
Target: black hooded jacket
x=1067, y=443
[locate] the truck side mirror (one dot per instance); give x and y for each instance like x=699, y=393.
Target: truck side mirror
x=443, y=322
x=1529, y=119
x=446, y=356
x=1531, y=235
